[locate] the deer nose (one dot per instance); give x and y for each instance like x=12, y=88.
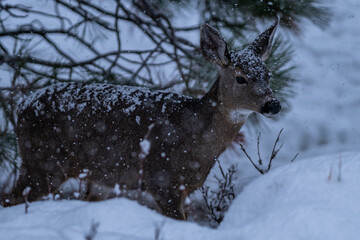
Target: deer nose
x=271, y=107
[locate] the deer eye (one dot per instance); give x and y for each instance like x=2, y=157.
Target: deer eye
x=240, y=80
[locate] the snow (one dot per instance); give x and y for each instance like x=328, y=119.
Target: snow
x=137, y=119
x=76, y=95
x=299, y=201
x=145, y=146
x=239, y=115
x=118, y=219
x=26, y=191
x=117, y=190
x=295, y=201
x=252, y=65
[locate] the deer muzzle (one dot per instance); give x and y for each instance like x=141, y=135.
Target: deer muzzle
x=271, y=107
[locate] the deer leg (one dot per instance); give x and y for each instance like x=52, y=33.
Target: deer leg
x=41, y=183
x=170, y=203
x=7, y=200
x=97, y=192
x=39, y=186
x=16, y=196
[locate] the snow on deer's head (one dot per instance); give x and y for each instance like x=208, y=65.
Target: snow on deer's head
x=244, y=84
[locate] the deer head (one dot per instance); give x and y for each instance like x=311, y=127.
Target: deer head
x=244, y=84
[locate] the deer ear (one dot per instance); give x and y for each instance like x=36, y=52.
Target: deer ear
x=213, y=46
x=263, y=43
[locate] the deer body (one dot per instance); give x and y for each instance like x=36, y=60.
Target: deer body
x=73, y=126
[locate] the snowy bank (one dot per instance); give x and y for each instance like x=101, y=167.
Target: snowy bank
x=295, y=201
x=303, y=200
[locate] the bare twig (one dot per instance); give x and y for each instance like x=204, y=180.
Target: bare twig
x=25, y=194
x=252, y=162
x=330, y=173
x=340, y=169
x=48, y=183
x=93, y=231
x=145, y=146
x=258, y=148
x=62, y=170
x=220, y=167
x=273, y=155
x=275, y=151
x=83, y=179
x=292, y=160
x=118, y=41
x=218, y=202
x=158, y=229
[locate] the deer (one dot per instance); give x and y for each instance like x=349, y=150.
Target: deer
x=66, y=128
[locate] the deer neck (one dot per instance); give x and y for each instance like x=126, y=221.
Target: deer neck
x=224, y=121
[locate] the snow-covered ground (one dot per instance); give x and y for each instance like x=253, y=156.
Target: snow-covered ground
x=316, y=198
x=294, y=200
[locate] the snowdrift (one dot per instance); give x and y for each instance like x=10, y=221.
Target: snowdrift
x=316, y=198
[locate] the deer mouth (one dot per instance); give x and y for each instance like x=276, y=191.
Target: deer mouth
x=271, y=108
